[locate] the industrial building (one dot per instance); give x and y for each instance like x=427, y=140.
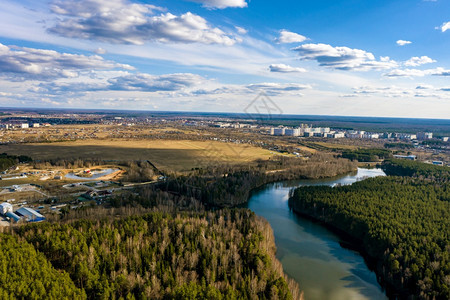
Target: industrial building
x=30, y=214
x=12, y=216
x=408, y=157
x=5, y=207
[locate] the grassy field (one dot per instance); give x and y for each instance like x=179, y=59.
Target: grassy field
x=165, y=154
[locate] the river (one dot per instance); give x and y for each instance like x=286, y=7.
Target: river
x=310, y=253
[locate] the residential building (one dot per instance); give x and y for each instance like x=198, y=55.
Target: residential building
x=292, y=131
x=279, y=131
x=424, y=135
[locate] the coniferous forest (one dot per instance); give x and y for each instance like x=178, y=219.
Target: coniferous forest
x=227, y=254
x=403, y=223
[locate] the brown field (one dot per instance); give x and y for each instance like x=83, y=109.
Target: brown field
x=167, y=155
x=20, y=196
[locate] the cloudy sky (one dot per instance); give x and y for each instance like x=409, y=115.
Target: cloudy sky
x=328, y=57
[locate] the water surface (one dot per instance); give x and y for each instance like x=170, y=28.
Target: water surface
x=95, y=174
x=311, y=254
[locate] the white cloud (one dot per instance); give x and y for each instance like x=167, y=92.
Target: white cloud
x=140, y=82
x=282, y=68
x=407, y=73
x=121, y=22
x=221, y=3
x=100, y=51
x=50, y=101
x=241, y=30
x=269, y=88
x=440, y=72
x=417, y=72
x=21, y=63
x=276, y=88
x=287, y=37
x=154, y=83
x=403, y=42
x=424, y=87
x=418, y=61
x=400, y=92
x=444, y=27
x=343, y=58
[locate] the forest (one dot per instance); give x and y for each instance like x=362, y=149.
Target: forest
x=403, y=223
x=7, y=161
x=229, y=186
x=366, y=155
x=226, y=254
x=403, y=167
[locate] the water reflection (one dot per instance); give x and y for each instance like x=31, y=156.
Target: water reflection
x=310, y=253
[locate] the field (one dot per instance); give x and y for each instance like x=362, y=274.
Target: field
x=168, y=155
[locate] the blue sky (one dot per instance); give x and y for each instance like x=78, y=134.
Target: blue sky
x=361, y=58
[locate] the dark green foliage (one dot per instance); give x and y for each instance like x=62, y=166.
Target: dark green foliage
x=403, y=167
x=214, y=255
x=399, y=145
x=7, y=161
x=402, y=222
x=26, y=274
x=366, y=155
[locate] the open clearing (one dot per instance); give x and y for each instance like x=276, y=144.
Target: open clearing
x=169, y=155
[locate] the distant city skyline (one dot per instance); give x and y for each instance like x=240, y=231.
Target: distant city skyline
x=352, y=58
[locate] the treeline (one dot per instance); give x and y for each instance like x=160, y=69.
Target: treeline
x=403, y=167
x=227, y=254
x=402, y=223
x=7, y=161
x=228, y=186
x=69, y=163
x=399, y=145
x=137, y=171
x=366, y=155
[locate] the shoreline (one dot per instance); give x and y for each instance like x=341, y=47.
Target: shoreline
x=355, y=244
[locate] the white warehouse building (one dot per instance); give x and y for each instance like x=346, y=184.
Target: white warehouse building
x=5, y=207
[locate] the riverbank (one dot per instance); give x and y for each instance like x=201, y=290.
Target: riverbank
x=310, y=253
x=380, y=216
x=355, y=244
